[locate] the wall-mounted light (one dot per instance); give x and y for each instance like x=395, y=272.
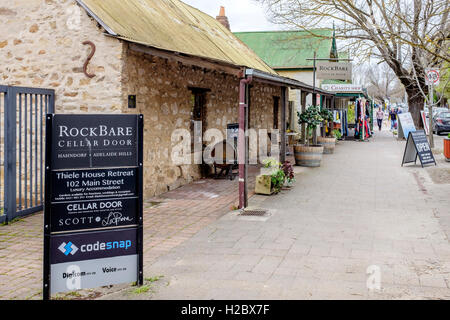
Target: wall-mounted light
x=132, y=101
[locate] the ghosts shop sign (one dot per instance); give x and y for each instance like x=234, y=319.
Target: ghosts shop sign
x=93, y=201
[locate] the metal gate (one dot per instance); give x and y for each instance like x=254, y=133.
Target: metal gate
x=22, y=154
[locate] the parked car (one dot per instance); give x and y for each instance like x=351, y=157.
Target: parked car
x=440, y=109
x=441, y=122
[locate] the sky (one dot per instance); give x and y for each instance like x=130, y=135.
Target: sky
x=243, y=15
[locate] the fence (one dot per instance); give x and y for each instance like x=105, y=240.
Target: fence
x=22, y=149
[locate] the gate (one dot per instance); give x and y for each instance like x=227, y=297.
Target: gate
x=22, y=154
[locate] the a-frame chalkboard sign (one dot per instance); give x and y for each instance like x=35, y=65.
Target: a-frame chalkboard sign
x=417, y=146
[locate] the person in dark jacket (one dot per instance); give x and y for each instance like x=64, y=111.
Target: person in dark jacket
x=393, y=116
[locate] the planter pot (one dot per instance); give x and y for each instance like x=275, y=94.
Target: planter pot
x=447, y=149
x=328, y=144
x=263, y=185
x=308, y=156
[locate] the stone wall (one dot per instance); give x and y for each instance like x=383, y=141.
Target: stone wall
x=163, y=96
x=43, y=47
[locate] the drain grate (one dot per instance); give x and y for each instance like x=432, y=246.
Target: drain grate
x=254, y=213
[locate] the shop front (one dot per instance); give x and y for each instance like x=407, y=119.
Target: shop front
x=352, y=111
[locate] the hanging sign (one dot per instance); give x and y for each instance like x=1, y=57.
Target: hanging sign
x=93, y=201
x=343, y=88
x=334, y=70
x=406, y=125
x=417, y=146
x=432, y=77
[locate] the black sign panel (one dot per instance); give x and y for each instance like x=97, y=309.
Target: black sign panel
x=93, y=245
x=81, y=215
x=93, y=180
x=417, y=146
x=86, y=141
x=76, y=185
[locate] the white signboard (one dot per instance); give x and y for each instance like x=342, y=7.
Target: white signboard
x=406, y=125
x=432, y=77
x=334, y=70
x=350, y=88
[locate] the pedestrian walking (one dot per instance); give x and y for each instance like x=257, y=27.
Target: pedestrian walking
x=380, y=117
x=393, y=116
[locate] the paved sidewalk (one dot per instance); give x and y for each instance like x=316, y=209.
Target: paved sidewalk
x=357, y=219
x=169, y=220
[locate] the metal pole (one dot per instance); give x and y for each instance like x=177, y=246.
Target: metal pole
x=430, y=112
x=46, y=261
x=10, y=158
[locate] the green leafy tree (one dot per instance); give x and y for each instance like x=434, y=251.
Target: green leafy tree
x=312, y=118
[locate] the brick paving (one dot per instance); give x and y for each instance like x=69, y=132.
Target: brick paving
x=169, y=220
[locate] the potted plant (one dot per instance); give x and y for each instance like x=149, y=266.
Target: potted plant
x=271, y=179
x=328, y=143
x=327, y=116
x=288, y=173
x=447, y=147
x=337, y=134
x=309, y=155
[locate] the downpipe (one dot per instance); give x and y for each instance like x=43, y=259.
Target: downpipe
x=241, y=141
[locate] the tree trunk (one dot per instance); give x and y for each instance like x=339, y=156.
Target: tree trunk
x=416, y=102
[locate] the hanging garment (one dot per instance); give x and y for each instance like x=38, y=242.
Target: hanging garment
x=367, y=131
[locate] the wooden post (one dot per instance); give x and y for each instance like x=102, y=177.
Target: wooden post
x=303, y=104
x=242, y=140
x=284, y=103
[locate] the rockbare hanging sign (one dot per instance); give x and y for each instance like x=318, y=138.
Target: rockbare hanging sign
x=334, y=70
x=93, y=201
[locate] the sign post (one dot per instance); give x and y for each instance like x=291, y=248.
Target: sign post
x=93, y=224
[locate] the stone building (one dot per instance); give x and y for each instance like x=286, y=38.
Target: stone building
x=177, y=63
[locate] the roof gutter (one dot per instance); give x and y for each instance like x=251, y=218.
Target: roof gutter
x=93, y=15
x=283, y=81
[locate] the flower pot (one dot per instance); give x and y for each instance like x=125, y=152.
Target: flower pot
x=263, y=184
x=308, y=156
x=328, y=144
x=447, y=149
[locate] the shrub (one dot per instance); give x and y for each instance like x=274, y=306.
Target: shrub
x=312, y=118
x=288, y=171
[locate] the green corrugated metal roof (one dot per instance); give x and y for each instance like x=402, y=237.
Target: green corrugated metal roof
x=289, y=49
x=175, y=26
